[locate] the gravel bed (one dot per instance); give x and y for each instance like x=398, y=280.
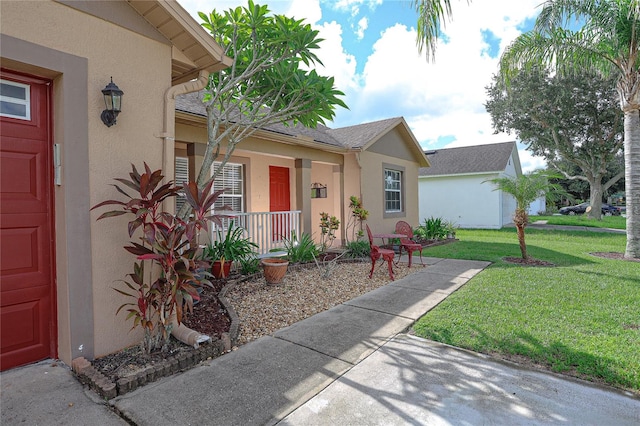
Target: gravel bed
x=265, y=308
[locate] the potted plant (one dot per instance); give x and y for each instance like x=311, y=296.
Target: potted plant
x=226, y=249
x=274, y=269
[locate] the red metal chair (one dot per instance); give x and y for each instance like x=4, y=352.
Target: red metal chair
x=408, y=244
x=379, y=253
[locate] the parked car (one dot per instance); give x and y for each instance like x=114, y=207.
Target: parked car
x=607, y=209
x=574, y=210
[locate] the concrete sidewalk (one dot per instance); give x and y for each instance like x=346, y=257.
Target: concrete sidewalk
x=265, y=380
x=347, y=365
x=542, y=224
x=46, y=393
x=419, y=382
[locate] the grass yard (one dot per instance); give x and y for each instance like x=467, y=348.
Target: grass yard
x=615, y=222
x=581, y=317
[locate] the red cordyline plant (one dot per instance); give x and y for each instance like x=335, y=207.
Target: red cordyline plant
x=167, y=241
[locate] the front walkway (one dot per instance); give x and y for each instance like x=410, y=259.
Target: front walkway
x=348, y=365
x=265, y=380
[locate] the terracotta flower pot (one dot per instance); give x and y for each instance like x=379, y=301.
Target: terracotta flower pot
x=221, y=269
x=274, y=269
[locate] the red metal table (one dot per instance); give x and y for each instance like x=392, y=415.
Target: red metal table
x=389, y=236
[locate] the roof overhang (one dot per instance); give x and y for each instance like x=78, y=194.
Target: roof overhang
x=198, y=120
x=193, y=49
x=404, y=129
x=457, y=175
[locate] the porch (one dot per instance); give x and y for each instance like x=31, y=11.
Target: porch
x=266, y=229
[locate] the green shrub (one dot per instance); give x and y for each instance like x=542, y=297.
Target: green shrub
x=249, y=264
x=300, y=251
x=231, y=246
x=433, y=228
x=358, y=249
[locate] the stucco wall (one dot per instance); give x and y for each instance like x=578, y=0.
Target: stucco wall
x=141, y=67
x=260, y=153
x=373, y=165
x=462, y=199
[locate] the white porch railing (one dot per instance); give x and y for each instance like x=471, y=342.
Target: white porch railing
x=266, y=229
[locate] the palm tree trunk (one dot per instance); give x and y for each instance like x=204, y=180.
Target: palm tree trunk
x=632, y=180
x=523, y=246
x=521, y=219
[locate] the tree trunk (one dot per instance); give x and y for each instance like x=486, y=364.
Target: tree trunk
x=523, y=246
x=632, y=181
x=521, y=219
x=595, y=197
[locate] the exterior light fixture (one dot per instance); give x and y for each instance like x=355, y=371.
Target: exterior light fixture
x=113, y=102
x=318, y=190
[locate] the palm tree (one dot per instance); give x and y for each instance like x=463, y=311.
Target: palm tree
x=431, y=16
x=525, y=188
x=607, y=42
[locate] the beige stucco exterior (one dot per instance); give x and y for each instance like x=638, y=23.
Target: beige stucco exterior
x=80, y=52
x=79, y=47
x=259, y=152
x=345, y=172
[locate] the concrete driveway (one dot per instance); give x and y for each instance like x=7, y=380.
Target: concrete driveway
x=412, y=381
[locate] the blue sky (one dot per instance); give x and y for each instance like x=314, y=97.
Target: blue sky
x=370, y=49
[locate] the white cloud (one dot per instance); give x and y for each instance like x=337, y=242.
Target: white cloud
x=528, y=162
x=337, y=62
x=445, y=98
x=307, y=9
x=363, y=24
x=351, y=5
x=439, y=100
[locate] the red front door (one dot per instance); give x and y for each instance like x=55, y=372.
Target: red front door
x=27, y=314
x=279, y=201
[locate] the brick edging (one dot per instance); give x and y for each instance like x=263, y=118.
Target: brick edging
x=88, y=375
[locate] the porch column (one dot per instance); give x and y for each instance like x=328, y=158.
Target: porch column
x=303, y=193
x=195, y=152
x=338, y=202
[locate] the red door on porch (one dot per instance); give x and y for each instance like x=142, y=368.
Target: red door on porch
x=279, y=201
x=27, y=309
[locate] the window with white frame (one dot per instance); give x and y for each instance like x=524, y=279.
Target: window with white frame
x=182, y=178
x=15, y=100
x=231, y=178
x=392, y=191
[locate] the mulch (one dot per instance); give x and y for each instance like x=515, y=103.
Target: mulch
x=614, y=255
x=530, y=261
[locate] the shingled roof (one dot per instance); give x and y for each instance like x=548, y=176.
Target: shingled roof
x=468, y=159
x=351, y=137
x=361, y=134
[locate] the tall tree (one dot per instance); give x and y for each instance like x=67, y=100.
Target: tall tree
x=432, y=15
x=601, y=36
x=269, y=81
x=571, y=119
x=526, y=188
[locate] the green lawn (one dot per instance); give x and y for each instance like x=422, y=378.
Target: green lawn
x=616, y=222
x=581, y=317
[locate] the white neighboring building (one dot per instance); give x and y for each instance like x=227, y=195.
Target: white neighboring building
x=538, y=206
x=453, y=189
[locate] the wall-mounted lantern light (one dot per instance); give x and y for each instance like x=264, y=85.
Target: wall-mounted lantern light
x=113, y=103
x=318, y=190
